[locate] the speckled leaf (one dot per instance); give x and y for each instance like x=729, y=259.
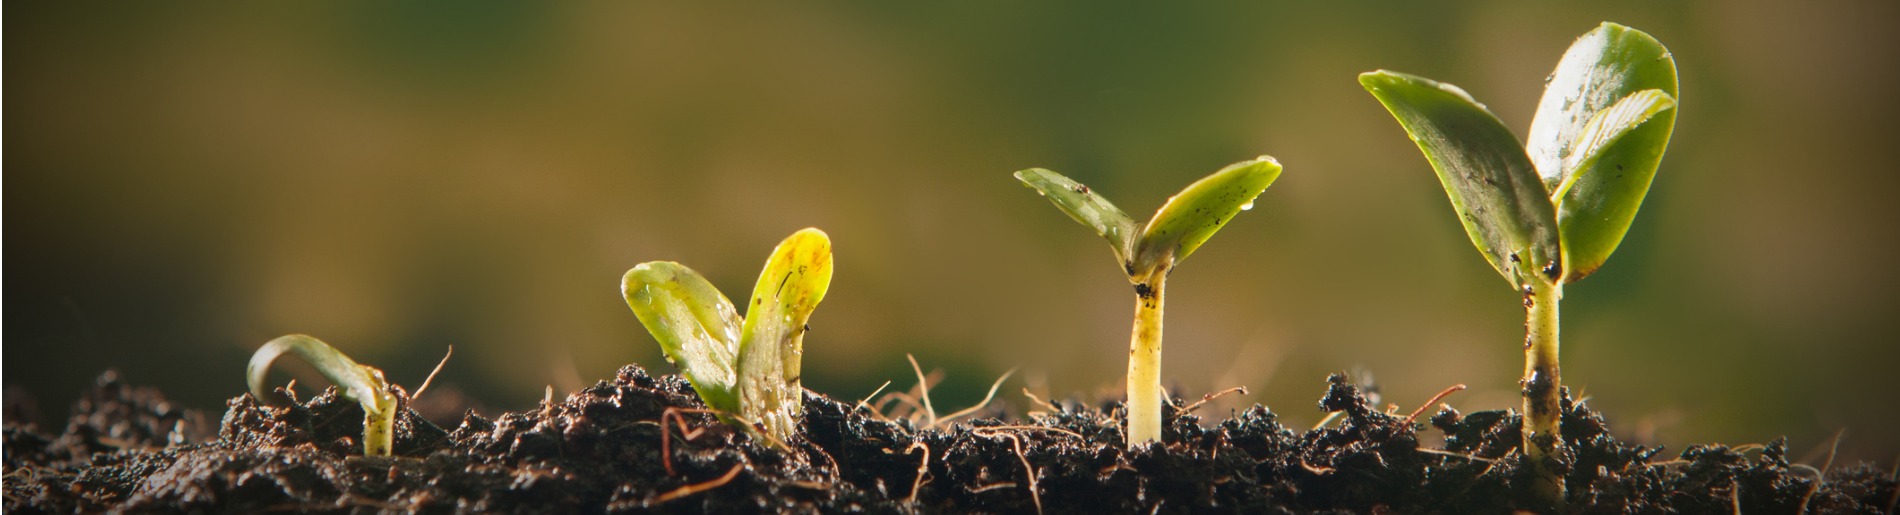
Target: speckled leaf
x=695, y=325
x=1192, y=216
x=1085, y=206
x=1498, y=196
x=771, y=344
x=1600, y=181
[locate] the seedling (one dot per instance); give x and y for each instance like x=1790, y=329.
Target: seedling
x=361, y=383
x=1148, y=253
x=747, y=369
x=1550, y=212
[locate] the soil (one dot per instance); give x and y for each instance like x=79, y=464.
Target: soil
x=600, y=450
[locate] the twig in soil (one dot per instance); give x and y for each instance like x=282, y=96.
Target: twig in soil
x=996, y=430
x=922, y=468
x=1457, y=454
x=986, y=400
x=547, y=402
x=809, y=485
x=1216, y=395
x=1315, y=469
x=1039, y=402
x=1735, y=496
x=1435, y=398
x=290, y=390
x=1820, y=477
x=1496, y=462
x=687, y=433
x=432, y=373
x=924, y=386
x=915, y=407
x=993, y=486
x=1016, y=442
x=868, y=398
x=701, y=487
x=1328, y=420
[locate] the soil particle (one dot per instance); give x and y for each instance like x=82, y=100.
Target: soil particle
x=600, y=450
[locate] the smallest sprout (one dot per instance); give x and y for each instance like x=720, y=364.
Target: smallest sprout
x=361, y=383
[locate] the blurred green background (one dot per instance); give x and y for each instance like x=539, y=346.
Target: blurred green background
x=185, y=182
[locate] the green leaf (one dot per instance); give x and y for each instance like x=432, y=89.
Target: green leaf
x=694, y=323
x=1497, y=194
x=1192, y=216
x=772, y=342
x=1601, y=170
x=1085, y=206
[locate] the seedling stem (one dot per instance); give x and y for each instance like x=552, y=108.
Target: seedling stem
x=1148, y=253
x=1144, y=361
x=1543, y=385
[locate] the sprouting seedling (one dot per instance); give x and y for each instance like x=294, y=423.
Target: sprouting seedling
x=746, y=369
x=361, y=383
x=1149, y=252
x=1550, y=212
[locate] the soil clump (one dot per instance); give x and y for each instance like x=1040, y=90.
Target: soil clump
x=601, y=450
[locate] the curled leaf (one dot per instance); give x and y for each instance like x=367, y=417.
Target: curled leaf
x=1600, y=69
x=1599, y=135
x=1498, y=195
x=694, y=323
x=771, y=342
x=361, y=383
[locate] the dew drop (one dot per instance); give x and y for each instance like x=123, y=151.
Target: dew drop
x=1247, y=206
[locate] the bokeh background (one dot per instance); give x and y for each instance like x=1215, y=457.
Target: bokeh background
x=184, y=182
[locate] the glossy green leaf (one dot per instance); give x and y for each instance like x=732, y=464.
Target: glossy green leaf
x=1085, y=206
x=1192, y=216
x=695, y=325
x=361, y=383
x=1493, y=187
x=772, y=341
x=1601, y=170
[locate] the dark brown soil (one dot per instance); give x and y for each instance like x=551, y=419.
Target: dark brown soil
x=599, y=450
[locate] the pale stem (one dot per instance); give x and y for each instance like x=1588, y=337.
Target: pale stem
x=379, y=430
x=1542, y=385
x=1144, y=363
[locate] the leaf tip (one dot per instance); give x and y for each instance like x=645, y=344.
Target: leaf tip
x=641, y=274
x=1373, y=79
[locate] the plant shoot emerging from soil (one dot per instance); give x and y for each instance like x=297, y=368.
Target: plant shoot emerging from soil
x=361, y=383
x=745, y=369
x=1551, y=211
x=1149, y=252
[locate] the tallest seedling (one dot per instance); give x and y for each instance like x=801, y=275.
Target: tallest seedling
x=1149, y=252
x=1550, y=212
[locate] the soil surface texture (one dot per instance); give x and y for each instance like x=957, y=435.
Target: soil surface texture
x=602, y=450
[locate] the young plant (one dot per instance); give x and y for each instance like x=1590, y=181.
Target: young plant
x=1147, y=253
x=361, y=383
x=1550, y=212
x=745, y=369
